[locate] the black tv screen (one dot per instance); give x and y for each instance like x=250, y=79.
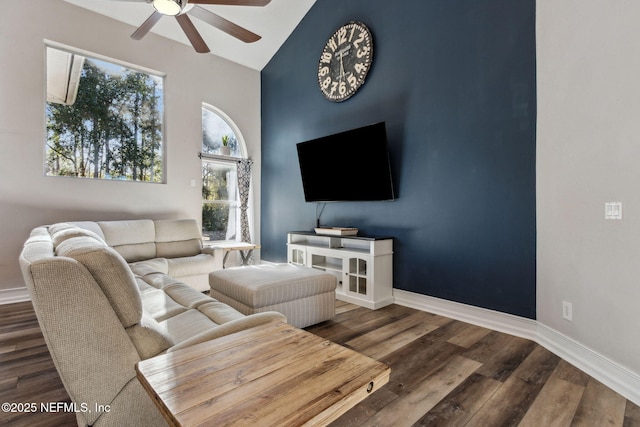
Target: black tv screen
x=347, y=166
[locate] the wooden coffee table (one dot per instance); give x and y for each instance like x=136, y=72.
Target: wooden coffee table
x=270, y=375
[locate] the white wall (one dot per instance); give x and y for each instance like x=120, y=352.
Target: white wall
x=29, y=199
x=588, y=149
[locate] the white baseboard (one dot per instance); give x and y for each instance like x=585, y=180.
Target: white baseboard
x=611, y=374
x=498, y=321
x=13, y=295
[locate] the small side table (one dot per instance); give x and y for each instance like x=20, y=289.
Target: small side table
x=221, y=250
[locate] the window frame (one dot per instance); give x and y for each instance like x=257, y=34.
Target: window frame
x=230, y=161
x=235, y=203
x=234, y=128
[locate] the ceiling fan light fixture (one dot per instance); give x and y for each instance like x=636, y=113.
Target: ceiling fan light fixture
x=168, y=7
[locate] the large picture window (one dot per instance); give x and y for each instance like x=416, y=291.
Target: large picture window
x=104, y=120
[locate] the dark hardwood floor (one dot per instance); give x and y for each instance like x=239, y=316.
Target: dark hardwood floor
x=27, y=374
x=443, y=373
x=449, y=373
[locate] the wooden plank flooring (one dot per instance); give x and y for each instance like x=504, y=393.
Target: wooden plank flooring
x=449, y=373
x=27, y=373
x=443, y=373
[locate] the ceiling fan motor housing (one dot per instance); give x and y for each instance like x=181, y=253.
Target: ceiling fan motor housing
x=169, y=7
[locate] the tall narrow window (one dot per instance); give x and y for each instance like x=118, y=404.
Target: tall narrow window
x=220, y=198
x=104, y=120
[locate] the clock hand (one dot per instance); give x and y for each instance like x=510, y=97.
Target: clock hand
x=341, y=53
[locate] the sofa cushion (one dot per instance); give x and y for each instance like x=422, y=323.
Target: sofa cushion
x=160, y=306
x=177, y=238
x=154, y=264
x=144, y=287
x=241, y=324
x=136, y=252
x=186, y=325
x=185, y=295
x=89, y=225
x=37, y=247
x=192, y=265
x=134, y=240
x=219, y=312
x=149, y=338
x=159, y=280
x=63, y=231
x=199, y=282
x=183, y=248
x=110, y=271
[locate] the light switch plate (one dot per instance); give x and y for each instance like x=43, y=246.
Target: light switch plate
x=613, y=210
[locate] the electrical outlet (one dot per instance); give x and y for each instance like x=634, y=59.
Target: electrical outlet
x=567, y=311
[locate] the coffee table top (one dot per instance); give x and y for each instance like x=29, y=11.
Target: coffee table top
x=270, y=375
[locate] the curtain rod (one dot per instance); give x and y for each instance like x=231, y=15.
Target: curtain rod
x=219, y=157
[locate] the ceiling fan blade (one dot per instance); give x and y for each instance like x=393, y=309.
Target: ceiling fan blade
x=146, y=26
x=192, y=34
x=233, y=2
x=225, y=25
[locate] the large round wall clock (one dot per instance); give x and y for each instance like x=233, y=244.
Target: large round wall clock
x=345, y=61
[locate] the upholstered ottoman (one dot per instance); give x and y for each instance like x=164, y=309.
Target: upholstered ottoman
x=305, y=295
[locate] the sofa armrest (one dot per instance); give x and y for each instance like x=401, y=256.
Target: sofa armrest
x=231, y=327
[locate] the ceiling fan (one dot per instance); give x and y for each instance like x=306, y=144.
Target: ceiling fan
x=180, y=9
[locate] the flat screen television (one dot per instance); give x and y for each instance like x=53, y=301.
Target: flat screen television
x=347, y=166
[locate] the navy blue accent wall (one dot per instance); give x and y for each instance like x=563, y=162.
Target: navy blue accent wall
x=454, y=80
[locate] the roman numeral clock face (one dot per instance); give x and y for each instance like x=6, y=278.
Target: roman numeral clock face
x=345, y=61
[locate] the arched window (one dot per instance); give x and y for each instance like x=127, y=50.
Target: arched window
x=220, y=199
x=219, y=131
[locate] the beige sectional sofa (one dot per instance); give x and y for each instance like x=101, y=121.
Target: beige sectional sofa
x=174, y=247
x=105, y=299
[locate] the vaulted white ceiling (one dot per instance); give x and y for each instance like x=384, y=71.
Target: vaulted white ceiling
x=273, y=22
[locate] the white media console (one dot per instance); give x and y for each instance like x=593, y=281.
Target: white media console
x=362, y=265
